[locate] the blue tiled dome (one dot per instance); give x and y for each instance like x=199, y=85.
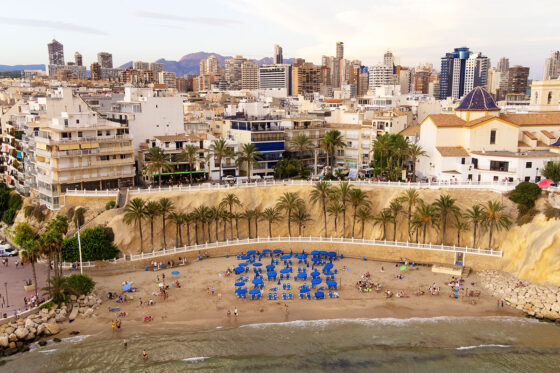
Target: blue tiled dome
x=478, y=99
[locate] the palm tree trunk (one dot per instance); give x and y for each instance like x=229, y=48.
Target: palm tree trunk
x=177, y=235
x=220, y=162
x=414, y=169
x=196, y=231
x=490, y=236
x=353, y=222
x=141, y=237
x=180, y=235
x=159, y=178
x=363, y=222
x=35, y=278
x=249, y=227
x=443, y=227
x=325, y=216
x=190, y=174
x=384, y=231
x=152, y=233
x=408, y=222
x=475, y=226
x=458, y=237
x=327, y=160
x=417, y=232
x=225, y=229
x=256, y=227
x=231, y=221
x=424, y=238
x=335, y=223
x=395, y=229
x=269, y=229
x=216, y=222
x=208, y=229
x=164, y=239
x=237, y=227
x=188, y=234
x=49, y=269
x=344, y=222
x=289, y=221
x=299, y=230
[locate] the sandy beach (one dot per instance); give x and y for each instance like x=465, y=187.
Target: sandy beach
x=192, y=307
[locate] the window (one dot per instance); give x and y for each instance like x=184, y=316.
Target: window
x=65, y=122
x=104, y=158
x=107, y=133
x=492, y=137
x=549, y=100
x=167, y=144
x=65, y=135
x=528, y=164
x=462, y=160
x=99, y=133
x=527, y=178
x=80, y=134
x=499, y=166
x=77, y=121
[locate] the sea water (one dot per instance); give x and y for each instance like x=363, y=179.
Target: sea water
x=440, y=344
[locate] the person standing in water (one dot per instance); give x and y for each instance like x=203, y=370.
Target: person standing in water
x=145, y=355
x=125, y=343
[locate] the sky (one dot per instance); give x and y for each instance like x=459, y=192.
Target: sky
x=416, y=31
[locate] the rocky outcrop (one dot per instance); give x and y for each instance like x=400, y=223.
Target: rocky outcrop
x=15, y=336
x=538, y=300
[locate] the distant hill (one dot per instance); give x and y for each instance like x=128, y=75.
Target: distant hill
x=21, y=67
x=190, y=63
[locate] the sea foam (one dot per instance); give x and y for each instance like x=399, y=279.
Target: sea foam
x=481, y=346
x=195, y=359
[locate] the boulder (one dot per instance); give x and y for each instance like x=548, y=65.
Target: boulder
x=60, y=318
x=30, y=337
x=73, y=314
x=82, y=297
x=91, y=302
x=12, y=337
x=12, y=345
x=9, y=330
x=53, y=328
x=4, y=341
x=81, y=309
x=29, y=323
x=73, y=298
x=21, y=333
x=41, y=329
x=88, y=312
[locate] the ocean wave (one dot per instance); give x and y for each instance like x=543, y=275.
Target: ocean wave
x=75, y=339
x=48, y=351
x=481, y=346
x=195, y=359
x=389, y=321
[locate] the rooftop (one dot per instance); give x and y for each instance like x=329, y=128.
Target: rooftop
x=478, y=100
x=452, y=151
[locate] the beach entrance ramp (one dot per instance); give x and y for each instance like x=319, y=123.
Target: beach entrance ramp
x=448, y=270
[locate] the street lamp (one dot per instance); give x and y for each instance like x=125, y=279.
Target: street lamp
x=7, y=301
x=80, y=247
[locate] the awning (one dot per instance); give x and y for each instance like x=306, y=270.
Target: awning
x=90, y=145
x=40, y=145
x=68, y=147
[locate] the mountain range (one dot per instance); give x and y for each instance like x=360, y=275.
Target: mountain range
x=4, y=68
x=190, y=63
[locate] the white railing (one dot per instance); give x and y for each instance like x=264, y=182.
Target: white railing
x=352, y=241
x=66, y=265
x=495, y=186
x=81, y=193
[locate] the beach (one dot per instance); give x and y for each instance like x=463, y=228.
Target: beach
x=193, y=307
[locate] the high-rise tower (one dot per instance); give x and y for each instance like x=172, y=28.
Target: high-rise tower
x=56, y=53
x=278, y=58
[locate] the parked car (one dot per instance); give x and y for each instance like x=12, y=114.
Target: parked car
x=7, y=250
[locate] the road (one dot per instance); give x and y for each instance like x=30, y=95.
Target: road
x=14, y=279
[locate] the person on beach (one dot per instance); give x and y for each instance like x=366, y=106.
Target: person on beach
x=145, y=355
x=228, y=313
x=125, y=343
x=235, y=312
x=287, y=311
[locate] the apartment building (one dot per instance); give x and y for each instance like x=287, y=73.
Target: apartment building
x=315, y=130
x=276, y=77
x=167, y=78
x=265, y=133
x=479, y=143
x=306, y=78
x=249, y=75
x=75, y=149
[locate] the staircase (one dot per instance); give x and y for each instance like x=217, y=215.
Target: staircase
x=122, y=197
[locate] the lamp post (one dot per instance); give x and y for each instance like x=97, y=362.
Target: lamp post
x=80, y=249
x=6, y=288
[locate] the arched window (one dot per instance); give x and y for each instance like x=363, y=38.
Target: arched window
x=549, y=100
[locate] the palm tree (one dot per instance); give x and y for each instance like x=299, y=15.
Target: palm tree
x=185, y=219
x=217, y=213
x=257, y=215
x=272, y=215
x=220, y=150
x=31, y=254
x=495, y=218
x=381, y=146
x=334, y=210
x=152, y=210
x=396, y=208
x=321, y=192
x=343, y=195
x=166, y=206
x=54, y=238
x=249, y=154
x=415, y=151
x=364, y=215
x=475, y=215
x=461, y=226
x=134, y=212
x=382, y=218
x=157, y=162
x=57, y=288
x=176, y=218
x=77, y=216
x=188, y=155
x=236, y=217
x=225, y=216
x=230, y=200
x=289, y=201
x=416, y=224
x=444, y=206
x=357, y=199
x=201, y=216
x=248, y=214
x=411, y=197
x=301, y=217
x=301, y=144
x=427, y=215
x=333, y=139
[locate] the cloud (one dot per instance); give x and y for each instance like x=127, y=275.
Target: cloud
x=54, y=25
x=199, y=20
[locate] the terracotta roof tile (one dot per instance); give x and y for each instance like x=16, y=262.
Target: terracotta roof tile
x=447, y=120
x=452, y=151
x=529, y=135
x=548, y=134
x=411, y=131
x=534, y=119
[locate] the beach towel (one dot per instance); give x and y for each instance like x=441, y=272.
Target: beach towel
x=114, y=309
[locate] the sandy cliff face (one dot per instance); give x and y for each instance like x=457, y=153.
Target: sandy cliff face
x=532, y=251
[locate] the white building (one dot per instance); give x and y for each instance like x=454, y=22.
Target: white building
x=380, y=75
x=276, y=77
x=167, y=78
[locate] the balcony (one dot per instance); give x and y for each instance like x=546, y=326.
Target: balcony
x=78, y=140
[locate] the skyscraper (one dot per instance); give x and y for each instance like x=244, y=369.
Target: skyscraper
x=105, y=59
x=461, y=71
x=503, y=65
x=389, y=60
x=552, y=66
x=233, y=73
x=517, y=79
x=78, y=59
x=339, y=50
x=56, y=53
x=249, y=75
x=278, y=58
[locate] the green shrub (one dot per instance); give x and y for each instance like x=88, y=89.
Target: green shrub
x=8, y=216
x=110, y=205
x=552, y=171
x=80, y=284
x=525, y=219
x=97, y=244
x=15, y=201
x=526, y=194
x=47, y=305
x=551, y=212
